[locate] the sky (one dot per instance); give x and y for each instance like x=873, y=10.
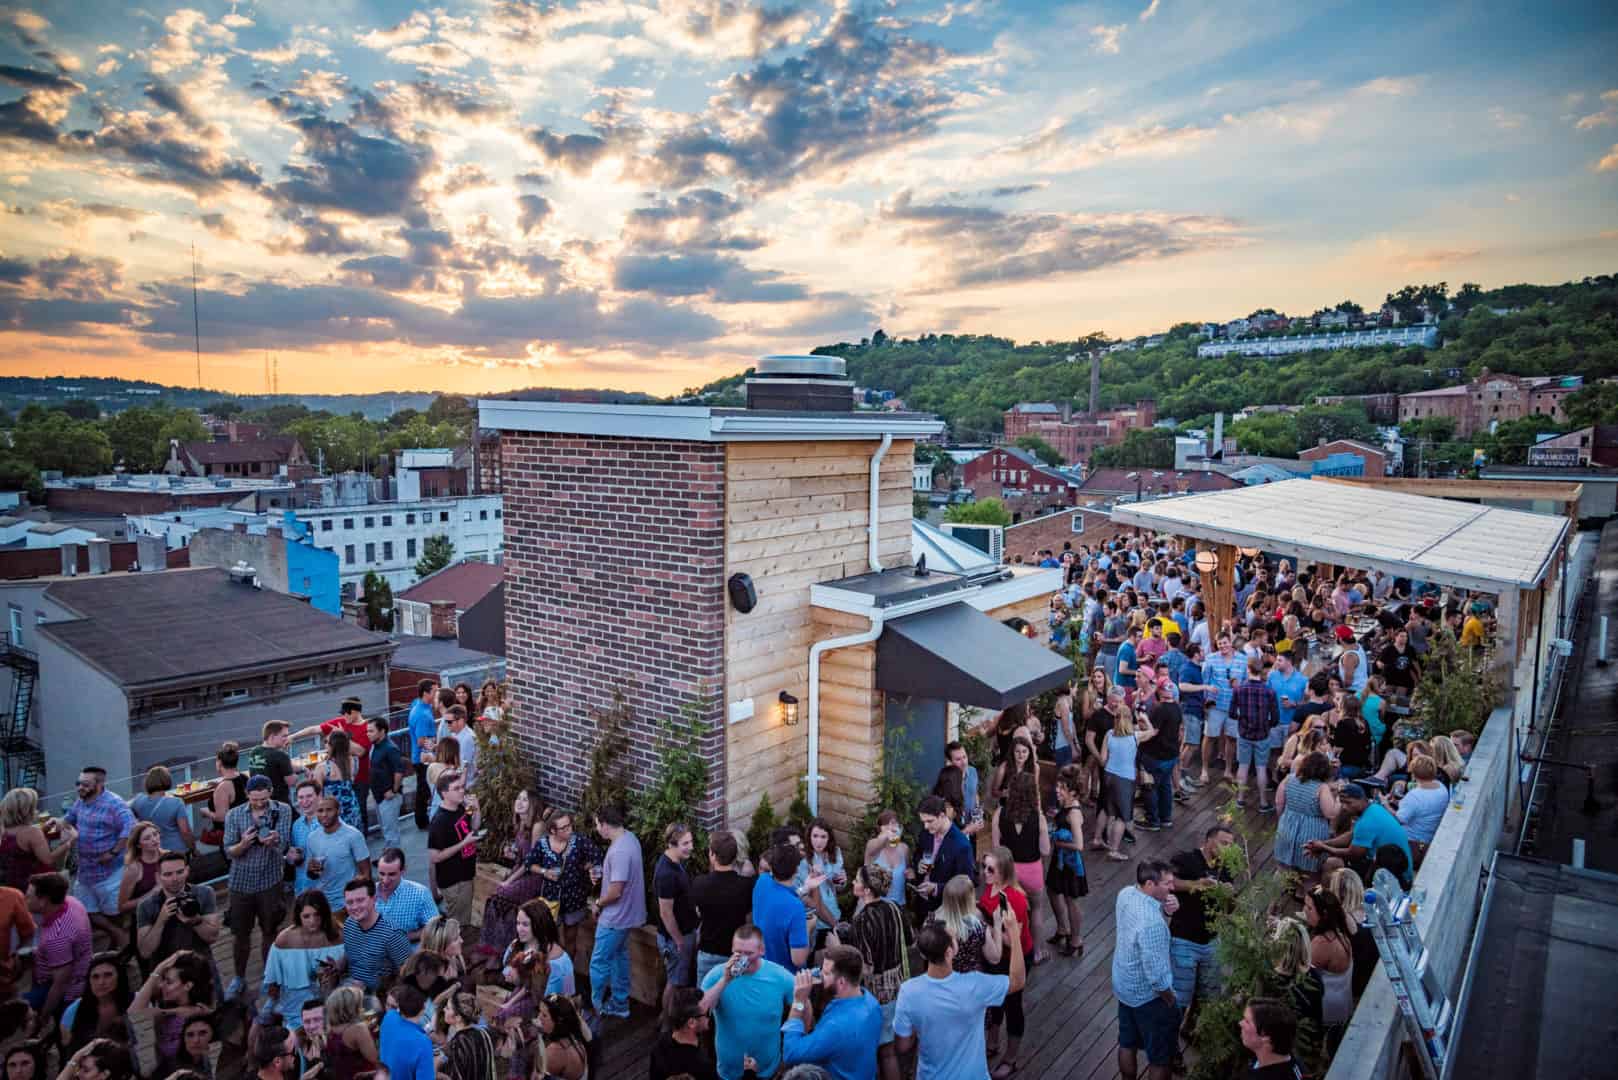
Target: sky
x=481, y=195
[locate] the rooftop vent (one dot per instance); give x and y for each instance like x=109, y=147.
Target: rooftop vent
x=801, y=384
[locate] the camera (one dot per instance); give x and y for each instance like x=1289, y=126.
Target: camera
x=188, y=907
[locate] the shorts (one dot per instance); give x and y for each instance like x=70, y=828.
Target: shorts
x=1063, y=755
x=1249, y=752
x=679, y=958
x=1278, y=738
x=1191, y=730
x=1216, y=722
x=887, y=1022
x=1118, y=796
x=1153, y=1027
x=1031, y=876
x=98, y=898
x=1196, y=974
x=266, y=908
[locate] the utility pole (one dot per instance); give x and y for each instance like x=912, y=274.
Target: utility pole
x=196, y=319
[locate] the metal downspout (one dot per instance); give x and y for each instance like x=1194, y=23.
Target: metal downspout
x=876, y=491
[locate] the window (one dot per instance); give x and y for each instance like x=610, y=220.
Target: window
x=443, y=515
x=466, y=515
x=169, y=706
x=370, y=523
x=483, y=515
x=238, y=693
x=410, y=548
x=348, y=554
x=16, y=625
x=348, y=523
x=357, y=669
x=497, y=515
x=1078, y=523
x=325, y=524
x=301, y=682
x=410, y=519
x=387, y=520
x=370, y=554
x=387, y=551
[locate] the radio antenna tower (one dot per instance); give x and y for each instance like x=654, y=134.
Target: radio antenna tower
x=196, y=319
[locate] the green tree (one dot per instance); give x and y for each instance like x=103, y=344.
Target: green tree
x=227, y=408
x=277, y=418
x=1436, y=429
x=182, y=426
x=1041, y=449
x=1593, y=404
x=989, y=511
x=1317, y=423
x=421, y=433
x=1150, y=448
x=437, y=552
x=456, y=410
x=343, y=442
x=78, y=409
x=677, y=791
x=377, y=596
x=919, y=505
x=140, y=436
x=607, y=784
x=1267, y=434
x=54, y=440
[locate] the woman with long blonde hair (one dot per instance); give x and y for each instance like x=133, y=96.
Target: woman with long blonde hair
x=958, y=913
x=350, y=1047
x=1448, y=758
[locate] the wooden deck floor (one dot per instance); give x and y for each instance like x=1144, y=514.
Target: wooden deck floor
x=1072, y=1015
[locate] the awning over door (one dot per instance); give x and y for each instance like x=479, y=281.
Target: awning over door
x=959, y=654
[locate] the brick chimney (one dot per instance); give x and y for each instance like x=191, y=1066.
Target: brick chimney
x=442, y=621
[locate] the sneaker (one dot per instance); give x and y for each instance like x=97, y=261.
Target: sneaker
x=1149, y=826
x=235, y=989
x=1129, y=838
x=1182, y=797
x=1266, y=808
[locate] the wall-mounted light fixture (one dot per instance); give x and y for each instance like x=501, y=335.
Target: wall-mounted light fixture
x=789, y=709
x=1208, y=563
x=1248, y=553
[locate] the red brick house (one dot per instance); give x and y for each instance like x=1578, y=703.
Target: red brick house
x=1076, y=437
x=1048, y=533
x=1153, y=483
x=1376, y=460
x=1019, y=480
x=253, y=459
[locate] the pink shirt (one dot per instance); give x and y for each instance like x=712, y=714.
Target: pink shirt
x=64, y=941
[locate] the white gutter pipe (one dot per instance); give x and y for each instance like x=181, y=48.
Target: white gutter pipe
x=878, y=617
x=871, y=529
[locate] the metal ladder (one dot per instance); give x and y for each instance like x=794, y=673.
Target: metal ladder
x=1427, y=1010
x=24, y=761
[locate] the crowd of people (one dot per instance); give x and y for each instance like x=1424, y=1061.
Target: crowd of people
x=800, y=960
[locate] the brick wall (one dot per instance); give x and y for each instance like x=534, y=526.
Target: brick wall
x=1030, y=537
x=614, y=555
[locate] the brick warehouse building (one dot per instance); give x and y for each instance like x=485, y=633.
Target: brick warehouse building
x=627, y=531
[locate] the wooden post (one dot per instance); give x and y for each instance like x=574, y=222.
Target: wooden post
x=1219, y=589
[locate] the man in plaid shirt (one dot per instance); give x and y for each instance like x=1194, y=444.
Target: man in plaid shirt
x=1253, y=708
x=104, y=822
x=257, y=836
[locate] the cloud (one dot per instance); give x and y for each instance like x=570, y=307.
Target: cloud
x=1066, y=146
x=976, y=246
x=860, y=89
x=466, y=177
x=172, y=99
x=289, y=51
x=219, y=225
x=1605, y=118
x=165, y=151
x=695, y=220
x=431, y=54
x=60, y=294
x=314, y=235
x=576, y=153
x=1151, y=9
x=68, y=212
x=344, y=169
x=1393, y=85
x=28, y=26
x=720, y=277
x=34, y=79
x=389, y=272
x=414, y=29
x=1505, y=119
x=1609, y=163
x=726, y=29
x=1104, y=39
x=532, y=210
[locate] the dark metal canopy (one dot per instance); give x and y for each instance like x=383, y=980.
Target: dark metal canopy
x=957, y=653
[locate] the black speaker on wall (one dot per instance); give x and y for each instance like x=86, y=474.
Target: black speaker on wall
x=743, y=597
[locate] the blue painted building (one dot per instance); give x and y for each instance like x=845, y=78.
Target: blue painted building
x=311, y=570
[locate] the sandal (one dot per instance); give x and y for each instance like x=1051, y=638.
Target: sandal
x=1056, y=939
x=1071, y=949
x=1117, y=856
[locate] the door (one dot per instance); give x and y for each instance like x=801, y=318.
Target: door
x=15, y=627
x=916, y=729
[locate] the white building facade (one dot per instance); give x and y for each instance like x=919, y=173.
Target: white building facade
x=387, y=538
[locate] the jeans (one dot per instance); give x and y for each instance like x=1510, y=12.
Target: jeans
x=706, y=962
x=1195, y=971
x=609, y=964
x=423, y=797
x=1160, y=796
x=387, y=814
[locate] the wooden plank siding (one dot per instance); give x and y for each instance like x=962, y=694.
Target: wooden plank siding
x=795, y=516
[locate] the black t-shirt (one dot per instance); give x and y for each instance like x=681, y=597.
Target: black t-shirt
x=448, y=828
x=1190, y=922
x=723, y=899
x=671, y=882
x=1306, y=710
x=1354, y=743
x=1281, y=1070
x=1099, y=723
x=1166, y=718
x=1399, y=668
x=670, y=1058
x=277, y=765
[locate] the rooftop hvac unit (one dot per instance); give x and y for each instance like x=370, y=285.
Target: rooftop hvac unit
x=989, y=539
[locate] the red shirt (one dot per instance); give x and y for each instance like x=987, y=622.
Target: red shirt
x=988, y=902
x=359, y=739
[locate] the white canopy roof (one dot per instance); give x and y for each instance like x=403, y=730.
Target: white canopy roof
x=1439, y=540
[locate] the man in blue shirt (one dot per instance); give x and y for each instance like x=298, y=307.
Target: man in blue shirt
x=1290, y=686
x=779, y=913
x=955, y=754
x=423, y=728
x=1124, y=673
x=405, y=1048
x=746, y=996
x=1374, y=826
x=1222, y=671
x=844, y=1040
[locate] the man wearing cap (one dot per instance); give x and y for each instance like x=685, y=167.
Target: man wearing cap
x=257, y=836
x=1353, y=672
x=1374, y=827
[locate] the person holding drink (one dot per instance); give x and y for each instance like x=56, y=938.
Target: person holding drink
x=945, y=852
x=333, y=853
x=888, y=848
x=452, y=842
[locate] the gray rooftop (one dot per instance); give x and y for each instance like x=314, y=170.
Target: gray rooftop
x=184, y=625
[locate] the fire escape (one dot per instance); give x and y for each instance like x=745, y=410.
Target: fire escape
x=24, y=760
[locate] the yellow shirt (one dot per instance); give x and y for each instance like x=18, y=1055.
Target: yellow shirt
x=1472, y=632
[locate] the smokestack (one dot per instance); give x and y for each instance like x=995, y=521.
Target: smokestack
x=1095, y=383
x=1217, y=451
x=70, y=559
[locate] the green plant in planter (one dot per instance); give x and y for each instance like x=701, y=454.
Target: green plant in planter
x=897, y=789
x=798, y=812
x=1458, y=689
x=759, y=828
x=607, y=785
x=503, y=771
x=677, y=792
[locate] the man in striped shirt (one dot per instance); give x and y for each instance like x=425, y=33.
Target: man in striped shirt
x=62, y=949
x=373, y=949
x=1142, y=975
